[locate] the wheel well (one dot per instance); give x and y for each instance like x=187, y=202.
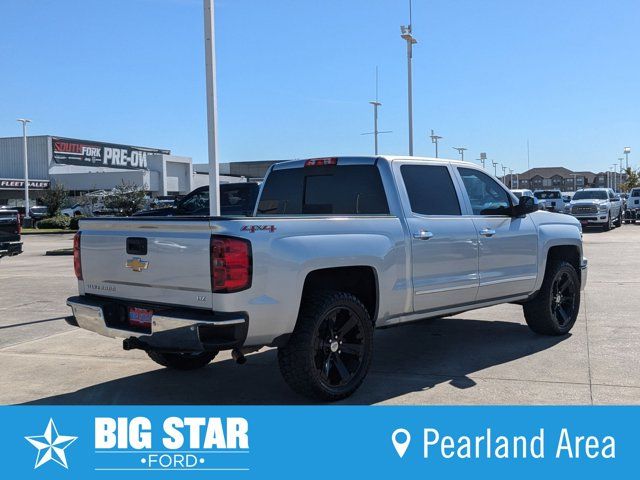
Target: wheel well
x=359, y=281
x=568, y=253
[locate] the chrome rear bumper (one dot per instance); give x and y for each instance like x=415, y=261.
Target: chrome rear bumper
x=170, y=330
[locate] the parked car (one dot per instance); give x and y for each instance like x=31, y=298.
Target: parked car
x=10, y=230
x=567, y=196
x=632, y=212
x=235, y=199
x=596, y=207
x=551, y=200
x=336, y=247
x=38, y=212
x=75, y=210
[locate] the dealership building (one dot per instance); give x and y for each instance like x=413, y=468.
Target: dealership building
x=83, y=166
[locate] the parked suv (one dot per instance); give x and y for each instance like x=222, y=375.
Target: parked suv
x=551, y=200
x=632, y=213
x=597, y=207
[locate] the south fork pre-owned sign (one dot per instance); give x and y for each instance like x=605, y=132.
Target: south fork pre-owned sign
x=70, y=151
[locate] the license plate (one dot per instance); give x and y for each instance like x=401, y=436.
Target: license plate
x=140, y=317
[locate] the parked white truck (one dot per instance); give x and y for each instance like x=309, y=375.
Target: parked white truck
x=336, y=247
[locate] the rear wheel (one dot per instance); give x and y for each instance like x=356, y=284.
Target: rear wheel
x=555, y=309
x=329, y=352
x=182, y=361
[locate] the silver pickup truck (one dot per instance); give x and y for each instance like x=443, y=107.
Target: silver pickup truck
x=336, y=247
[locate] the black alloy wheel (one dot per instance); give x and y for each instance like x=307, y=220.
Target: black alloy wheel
x=339, y=347
x=563, y=298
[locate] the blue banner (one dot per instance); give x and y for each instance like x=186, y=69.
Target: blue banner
x=177, y=442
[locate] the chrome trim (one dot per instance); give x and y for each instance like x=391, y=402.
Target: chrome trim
x=507, y=280
x=439, y=290
x=166, y=331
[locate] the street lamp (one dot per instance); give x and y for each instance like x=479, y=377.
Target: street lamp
x=406, y=35
x=24, y=122
x=434, y=140
x=627, y=151
x=460, y=152
x=510, y=178
x=504, y=172
x=483, y=158
x=212, y=106
x=495, y=171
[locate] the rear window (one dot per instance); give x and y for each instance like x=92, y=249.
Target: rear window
x=635, y=192
x=324, y=190
x=543, y=195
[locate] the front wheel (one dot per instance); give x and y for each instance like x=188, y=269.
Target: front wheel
x=182, y=361
x=607, y=226
x=619, y=220
x=329, y=352
x=555, y=309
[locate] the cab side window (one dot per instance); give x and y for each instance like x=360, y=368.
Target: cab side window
x=486, y=195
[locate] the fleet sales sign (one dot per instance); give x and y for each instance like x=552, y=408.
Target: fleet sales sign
x=69, y=151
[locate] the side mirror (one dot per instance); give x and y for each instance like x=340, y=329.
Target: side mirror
x=525, y=206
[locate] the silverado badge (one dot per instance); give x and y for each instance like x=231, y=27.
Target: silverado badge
x=137, y=264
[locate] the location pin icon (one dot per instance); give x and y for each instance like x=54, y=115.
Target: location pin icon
x=402, y=443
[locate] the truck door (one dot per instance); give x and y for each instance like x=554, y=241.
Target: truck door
x=444, y=253
x=508, y=246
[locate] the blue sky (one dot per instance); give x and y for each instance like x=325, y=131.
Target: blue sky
x=295, y=77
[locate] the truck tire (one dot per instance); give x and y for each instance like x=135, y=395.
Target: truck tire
x=182, y=361
x=329, y=352
x=618, y=222
x=555, y=309
x=607, y=226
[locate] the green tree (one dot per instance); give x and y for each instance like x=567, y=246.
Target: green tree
x=55, y=198
x=632, y=180
x=125, y=199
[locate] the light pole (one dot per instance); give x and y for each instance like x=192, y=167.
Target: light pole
x=483, y=158
x=614, y=169
x=510, y=178
x=504, y=173
x=406, y=35
x=627, y=151
x=460, y=152
x=434, y=140
x=24, y=122
x=212, y=106
x=495, y=171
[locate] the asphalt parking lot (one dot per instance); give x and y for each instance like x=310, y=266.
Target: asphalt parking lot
x=486, y=356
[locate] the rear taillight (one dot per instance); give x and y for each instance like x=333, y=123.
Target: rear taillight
x=77, y=264
x=231, y=264
x=19, y=224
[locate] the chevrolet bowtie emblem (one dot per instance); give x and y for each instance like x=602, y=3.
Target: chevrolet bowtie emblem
x=137, y=264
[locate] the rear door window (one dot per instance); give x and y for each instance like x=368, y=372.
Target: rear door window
x=324, y=190
x=430, y=190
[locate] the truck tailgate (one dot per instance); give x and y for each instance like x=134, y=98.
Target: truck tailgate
x=148, y=260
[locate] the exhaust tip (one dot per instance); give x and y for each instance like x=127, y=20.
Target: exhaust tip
x=238, y=356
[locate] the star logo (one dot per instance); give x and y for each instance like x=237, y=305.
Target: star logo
x=51, y=446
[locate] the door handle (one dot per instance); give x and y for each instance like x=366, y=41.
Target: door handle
x=487, y=232
x=423, y=235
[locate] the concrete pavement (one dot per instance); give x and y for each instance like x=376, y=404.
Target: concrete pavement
x=486, y=356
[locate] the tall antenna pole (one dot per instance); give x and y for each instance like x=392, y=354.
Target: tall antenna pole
x=212, y=106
